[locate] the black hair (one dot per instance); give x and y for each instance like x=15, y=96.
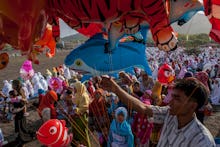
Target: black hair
x=194, y=89
x=12, y=93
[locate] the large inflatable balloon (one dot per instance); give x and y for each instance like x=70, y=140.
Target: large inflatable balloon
x=47, y=41
x=26, y=70
x=23, y=22
x=212, y=11
x=54, y=133
x=4, y=59
x=166, y=74
x=55, y=84
x=90, y=59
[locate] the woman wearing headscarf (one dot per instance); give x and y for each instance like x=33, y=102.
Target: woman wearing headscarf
x=120, y=133
x=46, y=108
x=203, y=77
x=98, y=114
x=81, y=101
x=17, y=86
x=141, y=127
x=215, y=97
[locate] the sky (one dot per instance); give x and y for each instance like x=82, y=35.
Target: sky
x=191, y=26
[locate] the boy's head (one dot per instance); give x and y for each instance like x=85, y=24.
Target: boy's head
x=12, y=94
x=188, y=96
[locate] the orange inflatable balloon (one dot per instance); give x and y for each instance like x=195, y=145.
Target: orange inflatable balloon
x=212, y=11
x=21, y=22
x=47, y=41
x=54, y=133
x=156, y=92
x=4, y=59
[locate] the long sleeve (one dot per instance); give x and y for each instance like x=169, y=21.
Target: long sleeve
x=109, y=139
x=130, y=140
x=83, y=105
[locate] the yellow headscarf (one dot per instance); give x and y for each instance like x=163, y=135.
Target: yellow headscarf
x=81, y=98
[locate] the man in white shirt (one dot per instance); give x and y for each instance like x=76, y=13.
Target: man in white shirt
x=181, y=127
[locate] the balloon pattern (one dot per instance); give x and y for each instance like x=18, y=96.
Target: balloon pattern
x=54, y=133
x=4, y=60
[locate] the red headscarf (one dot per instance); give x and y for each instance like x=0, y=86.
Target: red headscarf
x=97, y=107
x=46, y=103
x=203, y=77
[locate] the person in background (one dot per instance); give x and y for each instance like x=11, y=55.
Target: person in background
x=137, y=90
x=17, y=86
x=81, y=101
x=91, y=88
x=13, y=99
x=146, y=82
x=120, y=133
x=141, y=127
x=24, y=134
x=203, y=77
x=6, y=88
x=98, y=114
x=46, y=108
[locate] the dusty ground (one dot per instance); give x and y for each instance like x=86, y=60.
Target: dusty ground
x=11, y=72
x=212, y=123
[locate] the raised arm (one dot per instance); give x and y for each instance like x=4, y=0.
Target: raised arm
x=110, y=85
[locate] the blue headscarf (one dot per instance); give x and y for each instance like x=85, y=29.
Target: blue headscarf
x=121, y=129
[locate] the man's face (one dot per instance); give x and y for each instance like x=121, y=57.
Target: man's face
x=180, y=104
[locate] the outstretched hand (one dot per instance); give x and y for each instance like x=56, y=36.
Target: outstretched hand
x=107, y=83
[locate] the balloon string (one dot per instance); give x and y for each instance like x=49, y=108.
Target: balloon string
x=72, y=122
x=84, y=123
x=105, y=117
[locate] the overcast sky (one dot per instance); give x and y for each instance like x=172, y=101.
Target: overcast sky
x=198, y=24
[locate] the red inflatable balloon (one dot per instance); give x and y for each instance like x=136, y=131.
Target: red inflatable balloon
x=53, y=133
x=166, y=74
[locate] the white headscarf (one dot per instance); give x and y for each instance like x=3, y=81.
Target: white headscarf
x=6, y=88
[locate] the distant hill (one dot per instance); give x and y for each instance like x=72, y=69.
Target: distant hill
x=74, y=38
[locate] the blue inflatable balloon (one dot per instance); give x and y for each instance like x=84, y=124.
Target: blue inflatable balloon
x=90, y=59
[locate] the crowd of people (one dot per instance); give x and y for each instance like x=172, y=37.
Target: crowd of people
x=132, y=110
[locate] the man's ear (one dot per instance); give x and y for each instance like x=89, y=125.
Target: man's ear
x=194, y=105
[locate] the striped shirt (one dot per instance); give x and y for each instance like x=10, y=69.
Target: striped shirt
x=194, y=134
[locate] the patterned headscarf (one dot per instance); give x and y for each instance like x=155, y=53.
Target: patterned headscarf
x=203, y=77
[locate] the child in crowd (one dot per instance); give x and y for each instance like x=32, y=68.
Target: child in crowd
x=112, y=104
x=120, y=134
x=24, y=134
x=141, y=127
x=13, y=99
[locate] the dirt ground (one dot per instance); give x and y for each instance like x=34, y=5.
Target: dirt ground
x=212, y=123
x=12, y=72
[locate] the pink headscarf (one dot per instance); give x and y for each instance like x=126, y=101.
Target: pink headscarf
x=203, y=77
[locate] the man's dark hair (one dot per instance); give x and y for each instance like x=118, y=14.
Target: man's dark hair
x=193, y=89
